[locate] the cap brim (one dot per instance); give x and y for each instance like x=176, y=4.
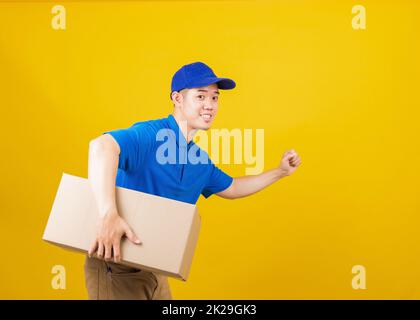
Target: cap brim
x=222, y=83
x=226, y=84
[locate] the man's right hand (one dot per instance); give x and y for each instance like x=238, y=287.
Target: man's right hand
x=110, y=230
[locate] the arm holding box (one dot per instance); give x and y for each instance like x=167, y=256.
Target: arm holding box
x=103, y=163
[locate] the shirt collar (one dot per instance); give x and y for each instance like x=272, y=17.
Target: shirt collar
x=180, y=139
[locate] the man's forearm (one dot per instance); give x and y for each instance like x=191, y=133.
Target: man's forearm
x=102, y=171
x=247, y=185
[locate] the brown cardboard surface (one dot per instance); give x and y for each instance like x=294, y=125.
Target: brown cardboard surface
x=168, y=229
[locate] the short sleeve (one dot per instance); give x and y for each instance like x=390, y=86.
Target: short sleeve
x=135, y=144
x=217, y=182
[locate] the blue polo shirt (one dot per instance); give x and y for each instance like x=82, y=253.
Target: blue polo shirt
x=155, y=158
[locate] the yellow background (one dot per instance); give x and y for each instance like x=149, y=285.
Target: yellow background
x=347, y=101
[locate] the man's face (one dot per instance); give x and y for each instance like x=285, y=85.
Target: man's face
x=198, y=106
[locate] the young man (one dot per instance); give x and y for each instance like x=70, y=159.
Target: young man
x=133, y=158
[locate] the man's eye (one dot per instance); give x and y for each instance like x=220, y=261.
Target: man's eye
x=200, y=96
x=215, y=98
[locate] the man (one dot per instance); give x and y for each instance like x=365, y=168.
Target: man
x=132, y=158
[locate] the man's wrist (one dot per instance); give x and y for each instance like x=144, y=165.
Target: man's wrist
x=108, y=212
x=280, y=173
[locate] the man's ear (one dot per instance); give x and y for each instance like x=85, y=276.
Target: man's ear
x=178, y=96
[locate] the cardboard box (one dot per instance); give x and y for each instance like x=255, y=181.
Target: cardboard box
x=167, y=228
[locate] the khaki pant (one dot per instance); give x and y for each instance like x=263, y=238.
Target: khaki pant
x=110, y=281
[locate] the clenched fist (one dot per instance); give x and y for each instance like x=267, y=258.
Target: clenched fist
x=289, y=163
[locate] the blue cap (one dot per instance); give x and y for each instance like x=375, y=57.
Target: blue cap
x=198, y=74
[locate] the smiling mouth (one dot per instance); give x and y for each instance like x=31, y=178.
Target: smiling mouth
x=206, y=117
